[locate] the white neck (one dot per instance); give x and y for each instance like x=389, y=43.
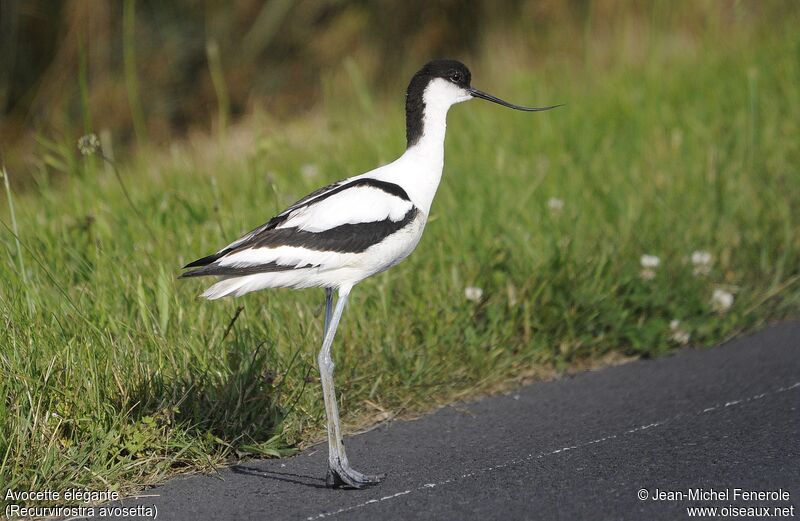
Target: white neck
x=431, y=144
x=419, y=169
x=422, y=163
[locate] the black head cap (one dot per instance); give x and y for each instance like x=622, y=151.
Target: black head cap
x=450, y=70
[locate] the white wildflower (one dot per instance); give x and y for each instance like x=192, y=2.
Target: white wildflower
x=472, y=293
x=721, y=300
x=649, y=264
x=88, y=144
x=555, y=204
x=309, y=171
x=679, y=336
x=701, y=260
x=701, y=257
x=649, y=261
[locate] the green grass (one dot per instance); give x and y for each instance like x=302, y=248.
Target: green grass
x=113, y=374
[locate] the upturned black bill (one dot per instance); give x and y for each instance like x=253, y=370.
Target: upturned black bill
x=475, y=93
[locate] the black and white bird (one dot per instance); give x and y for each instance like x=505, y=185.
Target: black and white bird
x=345, y=232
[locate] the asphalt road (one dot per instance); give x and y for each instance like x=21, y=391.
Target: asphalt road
x=581, y=447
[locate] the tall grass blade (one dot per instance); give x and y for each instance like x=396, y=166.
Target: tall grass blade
x=162, y=300
x=129, y=62
x=20, y=259
x=218, y=80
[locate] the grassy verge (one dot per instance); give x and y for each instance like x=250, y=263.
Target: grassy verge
x=114, y=375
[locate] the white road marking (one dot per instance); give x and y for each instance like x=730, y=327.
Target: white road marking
x=532, y=457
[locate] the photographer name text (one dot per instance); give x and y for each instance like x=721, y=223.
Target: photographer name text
x=714, y=494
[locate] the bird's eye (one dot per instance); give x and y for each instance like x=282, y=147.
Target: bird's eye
x=456, y=77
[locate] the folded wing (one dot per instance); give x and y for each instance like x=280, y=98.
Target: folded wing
x=322, y=231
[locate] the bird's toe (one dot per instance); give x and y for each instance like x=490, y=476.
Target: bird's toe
x=369, y=479
x=350, y=478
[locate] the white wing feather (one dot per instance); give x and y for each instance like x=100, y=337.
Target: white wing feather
x=359, y=204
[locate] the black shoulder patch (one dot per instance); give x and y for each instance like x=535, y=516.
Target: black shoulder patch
x=390, y=188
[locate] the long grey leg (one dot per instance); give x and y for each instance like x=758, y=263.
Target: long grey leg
x=337, y=434
x=339, y=471
x=328, y=309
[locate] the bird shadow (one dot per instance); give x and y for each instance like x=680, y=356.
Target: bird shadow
x=232, y=405
x=288, y=477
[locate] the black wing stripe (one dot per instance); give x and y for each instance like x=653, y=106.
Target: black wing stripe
x=202, y=262
x=215, y=269
x=345, y=238
x=268, y=235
